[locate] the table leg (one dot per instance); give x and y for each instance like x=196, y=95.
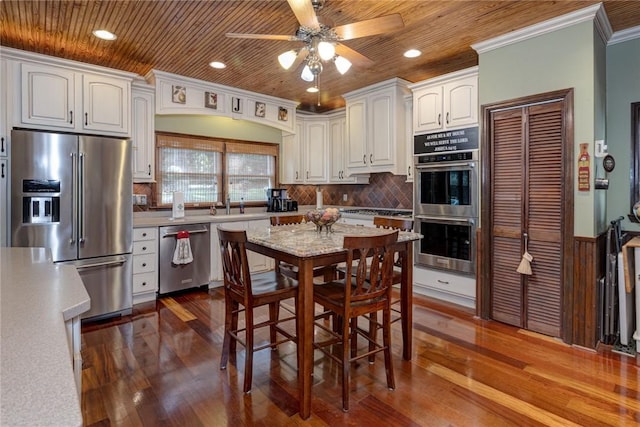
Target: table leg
x=406, y=301
x=305, y=312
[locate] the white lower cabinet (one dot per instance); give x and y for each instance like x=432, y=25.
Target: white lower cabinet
x=72, y=326
x=257, y=262
x=145, y=264
x=456, y=288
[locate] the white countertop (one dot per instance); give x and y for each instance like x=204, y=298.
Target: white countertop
x=37, y=384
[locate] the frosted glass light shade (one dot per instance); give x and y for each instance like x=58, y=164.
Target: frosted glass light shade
x=326, y=50
x=306, y=75
x=342, y=64
x=286, y=59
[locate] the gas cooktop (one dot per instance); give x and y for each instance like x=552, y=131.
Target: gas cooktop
x=378, y=212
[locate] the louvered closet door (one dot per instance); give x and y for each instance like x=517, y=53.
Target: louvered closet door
x=527, y=174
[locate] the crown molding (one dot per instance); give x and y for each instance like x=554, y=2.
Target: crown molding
x=625, y=35
x=591, y=13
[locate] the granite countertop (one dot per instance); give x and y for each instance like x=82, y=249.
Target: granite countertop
x=303, y=240
x=163, y=218
x=36, y=369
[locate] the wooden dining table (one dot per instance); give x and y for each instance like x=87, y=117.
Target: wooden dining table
x=301, y=245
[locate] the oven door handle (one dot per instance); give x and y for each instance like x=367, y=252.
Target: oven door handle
x=471, y=221
x=434, y=166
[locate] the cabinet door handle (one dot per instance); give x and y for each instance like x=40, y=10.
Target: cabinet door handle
x=144, y=264
x=364, y=159
x=149, y=170
x=2, y=145
x=70, y=117
x=447, y=118
x=439, y=119
x=409, y=171
x=371, y=158
x=444, y=282
x=296, y=174
x=144, y=234
x=144, y=248
x=2, y=173
x=86, y=119
x=144, y=283
x=307, y=174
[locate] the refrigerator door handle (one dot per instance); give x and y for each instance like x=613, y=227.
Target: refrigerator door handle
x=74, y=200
x=119, y=260
x=81, y=236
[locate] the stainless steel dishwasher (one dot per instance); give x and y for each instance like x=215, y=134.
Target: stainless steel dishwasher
x=175, y=277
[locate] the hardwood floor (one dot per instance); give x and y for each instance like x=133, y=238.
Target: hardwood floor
x=160, y=366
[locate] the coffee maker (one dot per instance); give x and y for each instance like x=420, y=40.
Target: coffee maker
x=277, y=200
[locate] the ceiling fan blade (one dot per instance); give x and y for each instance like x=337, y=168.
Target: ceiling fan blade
x=370, y=27
x=305, y=14
x=356, y=58
x=261, y=36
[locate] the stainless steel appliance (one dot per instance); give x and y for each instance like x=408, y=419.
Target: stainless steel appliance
x=277, y=200
x=177, y=277
x=446, y=184
x=72, y=194
x=447, y=243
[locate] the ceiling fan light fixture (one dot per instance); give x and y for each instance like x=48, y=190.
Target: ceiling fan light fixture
x=342, y=64
x=104, y=34
x=326, y=50
x=306, y=75
x=412, y=53
x=313, y=89
x=287, y=59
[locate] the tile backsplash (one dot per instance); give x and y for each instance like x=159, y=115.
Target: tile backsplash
x=383, y=191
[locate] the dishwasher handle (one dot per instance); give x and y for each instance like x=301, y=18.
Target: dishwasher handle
x=171, y=234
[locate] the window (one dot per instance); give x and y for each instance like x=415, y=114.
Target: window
x=207, y=170
x=251, y=169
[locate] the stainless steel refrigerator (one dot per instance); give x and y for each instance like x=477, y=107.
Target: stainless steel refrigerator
x=72, y=194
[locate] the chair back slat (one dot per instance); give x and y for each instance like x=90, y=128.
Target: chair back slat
x=373, y=280
x=287, y=219
x=235, y=265
x=402, y=224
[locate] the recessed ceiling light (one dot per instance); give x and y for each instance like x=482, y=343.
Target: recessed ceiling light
x=104, y=35
x=412, y=53
x=217, y=64
x=313, y=89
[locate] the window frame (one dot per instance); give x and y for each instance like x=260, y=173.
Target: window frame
x=224, y=146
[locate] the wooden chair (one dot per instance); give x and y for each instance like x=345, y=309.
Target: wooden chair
x=402, y=224
x=368, y=291
x=244, y=291
x=292, y=270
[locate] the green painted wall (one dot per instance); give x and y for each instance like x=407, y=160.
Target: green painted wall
x=623, y=88
x=559, y=60
x=219, y=127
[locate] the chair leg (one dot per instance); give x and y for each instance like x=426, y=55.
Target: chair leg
x=233, y=309
x=386, y=338
x=274, y=308
x=248, y=358
x=346, y=335
x=373, y=332
x=353, y=338
x=226, y=342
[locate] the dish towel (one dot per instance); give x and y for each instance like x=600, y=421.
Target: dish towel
x=182, y=254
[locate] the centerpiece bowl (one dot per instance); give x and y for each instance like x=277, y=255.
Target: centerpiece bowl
x=323, y=218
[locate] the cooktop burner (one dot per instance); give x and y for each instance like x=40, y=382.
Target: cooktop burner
x=378, y=212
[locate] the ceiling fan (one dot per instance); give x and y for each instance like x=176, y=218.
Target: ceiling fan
x=322, y=42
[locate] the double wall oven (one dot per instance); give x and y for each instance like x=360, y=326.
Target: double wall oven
x=446, y=209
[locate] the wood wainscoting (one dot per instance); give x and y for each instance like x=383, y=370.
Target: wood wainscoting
x=580, y=326
x=588, y=268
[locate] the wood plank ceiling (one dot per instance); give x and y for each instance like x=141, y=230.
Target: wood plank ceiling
x=182, y=37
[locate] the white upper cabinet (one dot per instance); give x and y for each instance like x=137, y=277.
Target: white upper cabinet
x=446, y=102
x=316, y=146
x=336, y=147
x=291, y=159
x=142, y=132
x=62, y=98
x=376, y=128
